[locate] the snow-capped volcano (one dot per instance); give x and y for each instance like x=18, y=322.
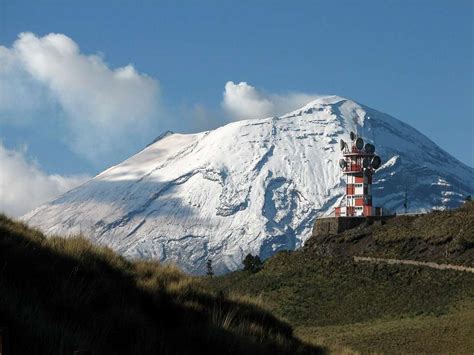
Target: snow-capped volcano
x=250, y=186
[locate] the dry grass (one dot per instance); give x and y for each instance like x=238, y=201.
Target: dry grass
x=443, y=237
x=59, y=295
x=452, y=333
x=370, y=308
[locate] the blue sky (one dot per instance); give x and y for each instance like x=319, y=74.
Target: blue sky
x=411, y=59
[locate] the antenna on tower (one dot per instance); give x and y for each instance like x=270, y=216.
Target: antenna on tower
x=376, y=161
x=342, y=144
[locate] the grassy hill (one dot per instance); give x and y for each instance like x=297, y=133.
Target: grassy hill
x=331, y=299
x=59, y=295
x=444, y=237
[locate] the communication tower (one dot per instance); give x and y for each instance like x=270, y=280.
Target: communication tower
x=358, y=164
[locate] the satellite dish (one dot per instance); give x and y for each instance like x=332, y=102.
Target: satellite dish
x=353, y=136
x=376, y=161
x=359, y=143
x=342, y=163
x=366, y=163
x=369, y=148
x=342, y=144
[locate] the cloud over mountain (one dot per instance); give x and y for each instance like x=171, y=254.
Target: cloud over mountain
x=24, y=186
x=98, y=105
x=243, y=101
x=47, y=84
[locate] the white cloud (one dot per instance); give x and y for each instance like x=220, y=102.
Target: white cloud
x=24, y=186
x=243, y=101
x=103, y=109
x=21, y=97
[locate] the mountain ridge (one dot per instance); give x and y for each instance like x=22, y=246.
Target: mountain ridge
x=250, y=186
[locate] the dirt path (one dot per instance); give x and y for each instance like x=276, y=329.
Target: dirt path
x=413, y=262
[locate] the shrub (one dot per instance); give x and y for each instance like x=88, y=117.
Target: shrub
x=252, y=263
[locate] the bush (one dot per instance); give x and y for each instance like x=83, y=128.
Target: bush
x=252, y=263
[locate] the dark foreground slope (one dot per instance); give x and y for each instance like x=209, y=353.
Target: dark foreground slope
x=59, y=295
x=373, y=307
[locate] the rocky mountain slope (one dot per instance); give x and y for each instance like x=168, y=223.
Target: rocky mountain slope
x=250, y=186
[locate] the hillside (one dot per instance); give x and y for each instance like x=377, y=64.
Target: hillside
x=444, y=237
x=373, y=307
x=253, y=186
x=59, y=295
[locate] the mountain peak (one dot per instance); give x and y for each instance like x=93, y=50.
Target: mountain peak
x=161, y=136
x=253, y=186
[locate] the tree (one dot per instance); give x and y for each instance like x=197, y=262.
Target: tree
x=405, y=201
x=252, y=263
x=209, y=272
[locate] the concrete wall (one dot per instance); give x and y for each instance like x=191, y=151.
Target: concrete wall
x=334, y=225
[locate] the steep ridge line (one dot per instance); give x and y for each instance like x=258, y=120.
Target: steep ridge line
x=218, y=188
x=415, y=263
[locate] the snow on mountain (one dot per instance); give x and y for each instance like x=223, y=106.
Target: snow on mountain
x=250, y=186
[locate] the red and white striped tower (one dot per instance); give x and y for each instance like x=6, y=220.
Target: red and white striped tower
x=358, y=164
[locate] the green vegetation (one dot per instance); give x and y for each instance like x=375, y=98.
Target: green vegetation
x=252, y=263
x=449, y=333
x=443, y=237
x=368, y=307
x=59, y=295
x=210, y=271
x=330, y=299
